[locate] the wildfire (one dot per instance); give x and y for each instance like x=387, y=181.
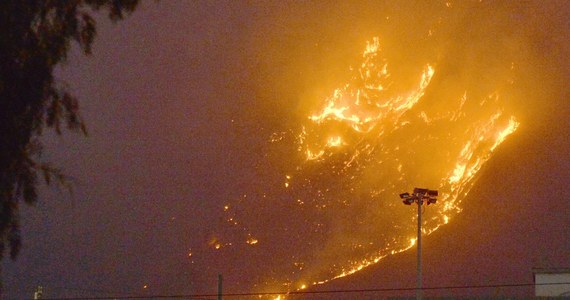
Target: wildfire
x=366, y=144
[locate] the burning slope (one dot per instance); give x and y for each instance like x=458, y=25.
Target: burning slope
x=369, y=141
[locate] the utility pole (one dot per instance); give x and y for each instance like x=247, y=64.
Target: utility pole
x=418, y=197
x=219, y=286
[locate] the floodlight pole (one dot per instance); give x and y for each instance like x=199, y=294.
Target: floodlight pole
x=419, y=251
x=418, y=197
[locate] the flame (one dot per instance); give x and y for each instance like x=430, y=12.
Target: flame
x=334, y=142
x=345, y=105
x=314, y=156
x=252, y=241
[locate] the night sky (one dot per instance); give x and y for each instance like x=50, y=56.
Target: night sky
x=181, y=101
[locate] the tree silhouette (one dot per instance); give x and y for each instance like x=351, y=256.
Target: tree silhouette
x=35, y=36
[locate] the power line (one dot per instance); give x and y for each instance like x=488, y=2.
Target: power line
x=212, y=296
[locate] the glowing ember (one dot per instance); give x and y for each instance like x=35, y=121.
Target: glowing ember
x=369, y=141
x=252, y=241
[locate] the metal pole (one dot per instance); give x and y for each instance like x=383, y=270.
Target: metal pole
x=419, y=250
x=219, y=286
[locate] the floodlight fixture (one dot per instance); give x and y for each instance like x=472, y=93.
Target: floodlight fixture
x=418, y=191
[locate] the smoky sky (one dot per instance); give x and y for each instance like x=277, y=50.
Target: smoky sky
x=181, y=100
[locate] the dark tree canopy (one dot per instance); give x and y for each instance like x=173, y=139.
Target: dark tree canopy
x=35, y=36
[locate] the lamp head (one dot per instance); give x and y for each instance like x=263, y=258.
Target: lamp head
x=418, y=191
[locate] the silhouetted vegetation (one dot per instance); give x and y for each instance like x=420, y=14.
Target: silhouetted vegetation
x=35, y=36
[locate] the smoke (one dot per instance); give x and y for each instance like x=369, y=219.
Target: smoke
x=324, y=203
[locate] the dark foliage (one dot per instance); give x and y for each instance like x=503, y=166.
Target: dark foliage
x=35, y=36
